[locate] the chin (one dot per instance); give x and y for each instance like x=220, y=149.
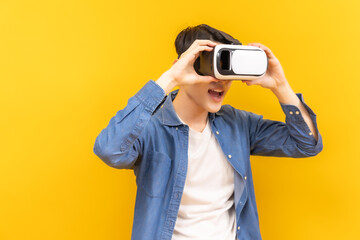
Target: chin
x=214, y=109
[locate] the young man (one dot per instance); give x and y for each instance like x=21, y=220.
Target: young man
x=191, y=155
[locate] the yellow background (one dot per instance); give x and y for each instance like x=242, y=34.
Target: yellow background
x=66, y=67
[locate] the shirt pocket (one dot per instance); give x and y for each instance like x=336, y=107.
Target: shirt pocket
x=157, y=173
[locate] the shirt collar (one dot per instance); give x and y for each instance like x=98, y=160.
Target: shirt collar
x=168, y=115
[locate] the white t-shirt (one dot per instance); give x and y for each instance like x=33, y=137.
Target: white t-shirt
x=207, y=205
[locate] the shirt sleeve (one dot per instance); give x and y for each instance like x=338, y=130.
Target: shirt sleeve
x=118, y=144
x=290, y=139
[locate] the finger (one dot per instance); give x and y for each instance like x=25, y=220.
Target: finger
x=192, y=54
x=201, y=42
x=196, y=52
x=196, y=49
x=266, y=49
x=204, y=48
x=250, y=82
x=247, y=82
x=252, y=44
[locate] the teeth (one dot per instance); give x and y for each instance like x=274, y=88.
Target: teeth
x=219, y=91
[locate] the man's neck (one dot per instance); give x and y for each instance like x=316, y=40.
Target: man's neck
x=191, y=113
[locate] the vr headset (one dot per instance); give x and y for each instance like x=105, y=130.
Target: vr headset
x=232, y=62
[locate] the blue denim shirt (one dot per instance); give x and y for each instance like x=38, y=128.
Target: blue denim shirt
x=148, y=137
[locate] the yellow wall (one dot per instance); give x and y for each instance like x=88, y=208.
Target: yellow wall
x=66, y=67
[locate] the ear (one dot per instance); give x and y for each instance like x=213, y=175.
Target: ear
x=175, y=61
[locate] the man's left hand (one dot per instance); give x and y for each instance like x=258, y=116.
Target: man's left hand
x=274, y=76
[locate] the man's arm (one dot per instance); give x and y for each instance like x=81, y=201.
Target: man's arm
x=286, y=95
x=118, y=144
x=275, y=80
x=182, y=71
x=290, y=139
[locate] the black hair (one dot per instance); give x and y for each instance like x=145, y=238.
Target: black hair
x=203, y=31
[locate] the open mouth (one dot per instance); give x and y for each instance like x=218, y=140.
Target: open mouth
x=216, y=93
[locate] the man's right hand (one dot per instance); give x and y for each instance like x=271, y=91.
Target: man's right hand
x=182, y=72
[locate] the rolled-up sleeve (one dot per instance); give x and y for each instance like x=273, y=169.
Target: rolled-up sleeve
x=118, y=144
x=290, y=139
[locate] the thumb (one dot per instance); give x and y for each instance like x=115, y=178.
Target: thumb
x=251, y=82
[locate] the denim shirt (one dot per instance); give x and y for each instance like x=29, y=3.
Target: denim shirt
x=148, y=137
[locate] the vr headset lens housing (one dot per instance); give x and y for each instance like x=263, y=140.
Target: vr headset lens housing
x=233, y=62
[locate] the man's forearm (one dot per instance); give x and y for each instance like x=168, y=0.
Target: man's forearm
x=286, y=95
x=166, y=82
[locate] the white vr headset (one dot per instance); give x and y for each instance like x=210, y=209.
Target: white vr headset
x=232, y=62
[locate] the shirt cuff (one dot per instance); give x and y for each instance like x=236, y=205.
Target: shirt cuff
x=151, y=95
x=293, y=113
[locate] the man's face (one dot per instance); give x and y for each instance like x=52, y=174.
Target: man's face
x=208, y=96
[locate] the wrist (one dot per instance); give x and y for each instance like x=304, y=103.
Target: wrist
x=285, y=94
x=166, y=81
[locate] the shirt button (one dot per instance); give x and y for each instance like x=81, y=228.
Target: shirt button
x=297, y=112
x=310, y=133
x=291, y=113
x=238, y=227
x=229, y=156
x=176, y=128
x=245, y=177
x=217, y=132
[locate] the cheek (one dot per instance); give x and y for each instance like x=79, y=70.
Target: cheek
x=198, y=92
x=228, y=85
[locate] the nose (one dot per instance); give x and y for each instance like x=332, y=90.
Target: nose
x=221, y=83
x=224, y=82
x=216, y=80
